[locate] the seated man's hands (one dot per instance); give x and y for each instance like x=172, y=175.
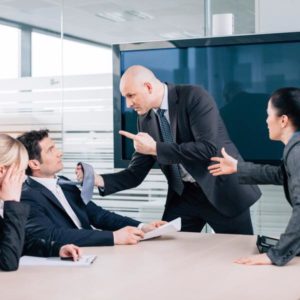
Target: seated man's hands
x=70, y=250
x=151, y=226
x=128, y=236
x=98, y=178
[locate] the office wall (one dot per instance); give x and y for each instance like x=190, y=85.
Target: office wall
x=76, y=102
x=277, y=16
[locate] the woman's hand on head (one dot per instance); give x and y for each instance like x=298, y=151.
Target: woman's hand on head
x=11, y=185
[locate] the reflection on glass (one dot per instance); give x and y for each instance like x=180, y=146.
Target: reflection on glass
x=239, y=77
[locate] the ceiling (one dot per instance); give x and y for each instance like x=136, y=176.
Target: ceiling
x=120, y=21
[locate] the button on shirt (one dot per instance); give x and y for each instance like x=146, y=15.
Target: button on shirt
x=185, y=176
x=52, y=186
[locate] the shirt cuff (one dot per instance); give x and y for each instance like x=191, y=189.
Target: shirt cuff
x=140, y=226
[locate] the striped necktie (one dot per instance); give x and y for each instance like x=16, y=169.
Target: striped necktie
x=174, y=177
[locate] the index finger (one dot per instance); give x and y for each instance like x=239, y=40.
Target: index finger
x=217, y=159
x=127, y=134
x=138, y=232
x=10, y=171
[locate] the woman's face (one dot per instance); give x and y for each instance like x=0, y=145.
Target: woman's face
x=274, y=123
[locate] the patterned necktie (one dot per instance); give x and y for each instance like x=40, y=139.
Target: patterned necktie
x=87, y=183
x=173, y=170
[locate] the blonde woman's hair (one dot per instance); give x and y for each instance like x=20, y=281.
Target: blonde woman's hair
x=12, y=151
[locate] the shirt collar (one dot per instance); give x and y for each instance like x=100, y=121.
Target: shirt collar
x=49, y=183
x=164, y=104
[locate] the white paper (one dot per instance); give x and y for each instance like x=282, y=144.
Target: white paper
x=85, y=260
x=170, y=227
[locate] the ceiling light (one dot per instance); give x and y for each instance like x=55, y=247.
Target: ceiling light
x=127, y=15
x=139, y=14
x=116, y=17
x=176, y=35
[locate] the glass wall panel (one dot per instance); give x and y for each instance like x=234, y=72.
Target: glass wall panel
x=9, y=51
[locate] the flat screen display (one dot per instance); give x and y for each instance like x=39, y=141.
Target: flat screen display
x=240, y=74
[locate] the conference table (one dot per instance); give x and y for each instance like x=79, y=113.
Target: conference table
x=176, y=266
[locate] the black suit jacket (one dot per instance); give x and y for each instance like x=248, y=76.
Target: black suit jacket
x=199, y=133
x=49, y=220
x=288, y=175
x=12, y=236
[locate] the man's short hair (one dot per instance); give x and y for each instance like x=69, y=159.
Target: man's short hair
x=31, y=141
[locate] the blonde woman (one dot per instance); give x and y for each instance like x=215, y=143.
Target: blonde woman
x=13, y=214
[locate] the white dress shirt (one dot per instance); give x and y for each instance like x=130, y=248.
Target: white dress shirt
x=2, y=208
x=52, y=186
x=185, y=176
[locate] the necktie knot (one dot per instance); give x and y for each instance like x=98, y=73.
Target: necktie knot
x=161, y=112
x=61, y=181
x=87, y=183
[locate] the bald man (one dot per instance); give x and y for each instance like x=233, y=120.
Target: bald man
x=180, y=128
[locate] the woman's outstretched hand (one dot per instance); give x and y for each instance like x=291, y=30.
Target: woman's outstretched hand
x=224, y=165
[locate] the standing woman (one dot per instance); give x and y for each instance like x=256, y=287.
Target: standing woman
x=13, y=214
x=284, y=125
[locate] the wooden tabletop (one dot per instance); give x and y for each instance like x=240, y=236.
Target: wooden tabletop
x=179, y=266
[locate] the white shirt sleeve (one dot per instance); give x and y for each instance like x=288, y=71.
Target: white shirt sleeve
x=140, y=226
x=2, y=208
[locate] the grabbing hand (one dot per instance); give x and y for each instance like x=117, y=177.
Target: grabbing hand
x=143, y=143
x=70, y=250
x=258, y=259
x=128, y=236
x=151, y=226
x=225, y=165
x=11, y=186
x=99, y=182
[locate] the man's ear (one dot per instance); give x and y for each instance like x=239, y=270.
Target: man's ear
x=34, y=164
x=148, y=86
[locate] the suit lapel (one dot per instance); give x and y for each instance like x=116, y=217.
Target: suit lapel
x=172, y=102
x=52, y=198
x=149, y=124
x=70, y=192
x=48, y=194
x=292, y=142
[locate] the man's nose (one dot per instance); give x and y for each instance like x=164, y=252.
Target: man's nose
x=129, y=103
x=59, y=153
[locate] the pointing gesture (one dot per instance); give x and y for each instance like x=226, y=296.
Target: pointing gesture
x=142, y=142
x=225, y=165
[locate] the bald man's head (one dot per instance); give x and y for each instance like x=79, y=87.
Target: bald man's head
x=142, y=90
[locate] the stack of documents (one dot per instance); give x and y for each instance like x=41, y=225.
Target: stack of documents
x=85, y=260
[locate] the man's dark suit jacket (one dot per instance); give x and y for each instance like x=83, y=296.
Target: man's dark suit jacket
x=49, y=220
x=12, y=236
x=288, y=175
x=199, y=133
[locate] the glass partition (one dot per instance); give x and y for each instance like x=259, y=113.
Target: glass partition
x=56, y=73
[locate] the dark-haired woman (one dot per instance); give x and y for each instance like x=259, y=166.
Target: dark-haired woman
x=284, y=125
